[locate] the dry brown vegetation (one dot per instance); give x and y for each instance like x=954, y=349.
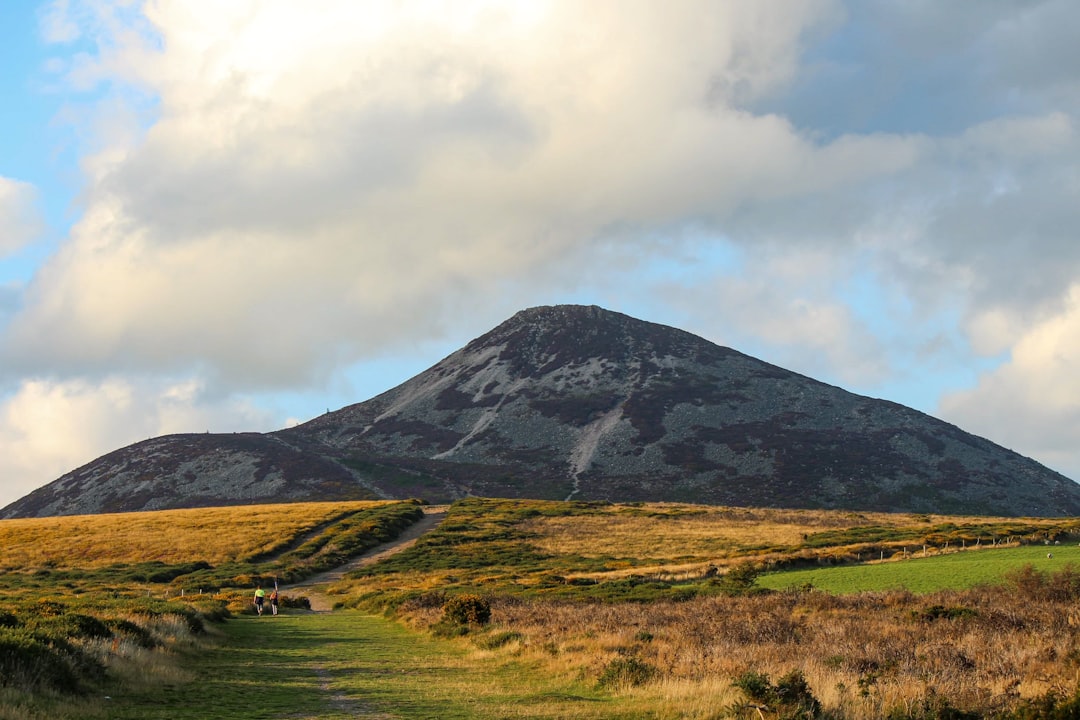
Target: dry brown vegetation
x=678, y=540
x=675, y=650
x=215, y=535
x=980, y=652
x=983, y=652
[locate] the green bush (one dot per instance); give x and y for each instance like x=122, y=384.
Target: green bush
x=626, y=672
x=467, y=610
x=739, y=580
x=300, y=602
x=1048, y=707
x=48, y=608
x=790, y=697
x=28, y=663
x=75, y=625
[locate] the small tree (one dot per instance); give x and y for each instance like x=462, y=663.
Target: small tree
x=739, y=580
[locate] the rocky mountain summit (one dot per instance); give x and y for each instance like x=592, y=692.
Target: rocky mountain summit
x=572, y=402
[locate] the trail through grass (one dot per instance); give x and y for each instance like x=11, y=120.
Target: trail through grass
x=347, y=664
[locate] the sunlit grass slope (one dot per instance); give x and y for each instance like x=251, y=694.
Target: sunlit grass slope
x=652, y=551
x=214, y=535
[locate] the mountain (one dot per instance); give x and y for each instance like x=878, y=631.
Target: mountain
x=572, y=402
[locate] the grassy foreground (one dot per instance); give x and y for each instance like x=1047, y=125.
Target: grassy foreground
x=589, y=610
x=345, y=665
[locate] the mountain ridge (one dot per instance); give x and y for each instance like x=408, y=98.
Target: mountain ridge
x=579, y=402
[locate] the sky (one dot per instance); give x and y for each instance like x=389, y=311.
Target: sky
x=237, y=216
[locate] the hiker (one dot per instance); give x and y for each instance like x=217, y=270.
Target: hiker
x=274, y=601
x=260, y=596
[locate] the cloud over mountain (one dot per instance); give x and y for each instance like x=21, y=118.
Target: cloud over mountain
x=879, y=194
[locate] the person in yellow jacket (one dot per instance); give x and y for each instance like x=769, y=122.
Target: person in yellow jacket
x=260, y=597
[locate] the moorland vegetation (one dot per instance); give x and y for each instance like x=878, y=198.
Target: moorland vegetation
x=662, y=606
x=663, y=602
x=89, y=603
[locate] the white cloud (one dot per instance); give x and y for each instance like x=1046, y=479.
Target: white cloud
x=51, y=427
x=275, y=192
x=19, y=221
x=1032, y=403
x=319, y=184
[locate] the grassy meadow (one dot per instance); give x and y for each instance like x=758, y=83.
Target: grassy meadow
x=953, y=571
x=516, y=608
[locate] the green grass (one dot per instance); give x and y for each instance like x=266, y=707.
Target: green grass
x=345, y=664
x=922, y=575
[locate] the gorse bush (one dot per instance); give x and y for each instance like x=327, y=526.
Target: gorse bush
x=467, y=610
x=73, y=626
x=57, y=647
x=28, y=663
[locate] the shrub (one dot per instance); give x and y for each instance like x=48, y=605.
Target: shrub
x=739, y=580
x=626, y=672
x=467, y=610
x=300, y=602
x=48, y=608
x=936, y=612
x=76, y=625
x=755, y=686
x=1048, y=707
x=28, y=663
x=790, y=697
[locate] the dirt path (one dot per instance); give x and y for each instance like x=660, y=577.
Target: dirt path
x=314, y=587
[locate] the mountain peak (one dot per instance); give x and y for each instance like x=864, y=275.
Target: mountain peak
x=579, y=402
x=542, y=338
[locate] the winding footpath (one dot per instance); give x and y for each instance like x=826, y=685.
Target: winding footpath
x=314, y=587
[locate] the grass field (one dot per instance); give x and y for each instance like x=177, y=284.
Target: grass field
x=348, y=664
x=594, y=610
x=954, y=571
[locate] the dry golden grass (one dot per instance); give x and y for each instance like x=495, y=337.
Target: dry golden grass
x=214, y=535
x=679, y=540
x=862, y=656
x=667, y=531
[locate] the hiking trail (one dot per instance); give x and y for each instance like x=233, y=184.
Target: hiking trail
x=314, y=587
